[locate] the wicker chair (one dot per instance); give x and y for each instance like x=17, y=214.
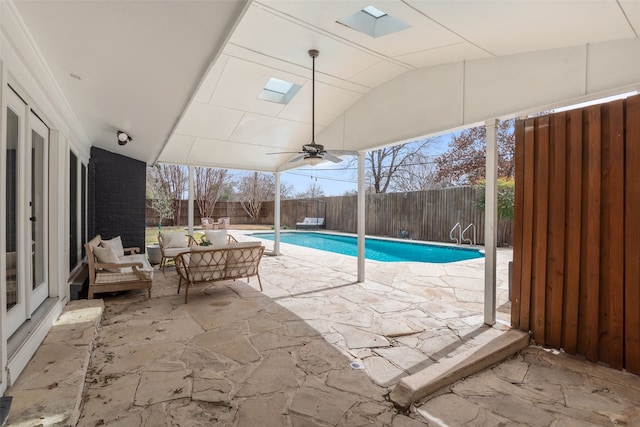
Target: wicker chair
x=172, y=244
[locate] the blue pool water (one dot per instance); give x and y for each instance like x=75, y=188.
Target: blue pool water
x=376, y=249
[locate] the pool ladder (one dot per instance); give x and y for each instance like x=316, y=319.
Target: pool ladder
x=459, y=239
x=459, y=236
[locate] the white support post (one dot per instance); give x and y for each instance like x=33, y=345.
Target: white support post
x=276, y=218
x=490, y=221
x=361, y=216
x=190, y=203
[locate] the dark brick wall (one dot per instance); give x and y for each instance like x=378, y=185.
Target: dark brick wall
x=117, y=189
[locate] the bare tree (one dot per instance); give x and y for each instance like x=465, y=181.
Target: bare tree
x=286, y=191
x=384, y=164
x=161, y=201
x=173, y=179
x=313, y=191
x=254, y=189
x=208, y=184
x=464, y=162
x=420, y=174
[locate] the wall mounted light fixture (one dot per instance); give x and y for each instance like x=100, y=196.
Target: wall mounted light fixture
x=123, y=138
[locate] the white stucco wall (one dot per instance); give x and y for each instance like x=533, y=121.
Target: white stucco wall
x=23, y=68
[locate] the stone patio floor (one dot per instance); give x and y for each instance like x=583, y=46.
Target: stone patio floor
x=316, y=348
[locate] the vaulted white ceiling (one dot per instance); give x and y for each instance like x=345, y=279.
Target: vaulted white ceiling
x=183, y=78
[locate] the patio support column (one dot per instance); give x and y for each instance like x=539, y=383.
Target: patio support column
x=361, y=216
x=490, y=221
x=276, y=217
x=190, y=203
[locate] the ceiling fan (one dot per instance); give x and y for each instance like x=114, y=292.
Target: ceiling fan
x=315, y=153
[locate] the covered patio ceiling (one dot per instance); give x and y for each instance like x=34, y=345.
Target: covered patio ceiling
x=183, y=78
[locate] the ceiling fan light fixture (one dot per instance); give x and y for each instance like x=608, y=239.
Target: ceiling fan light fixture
x=123, y=137
x=313, y=160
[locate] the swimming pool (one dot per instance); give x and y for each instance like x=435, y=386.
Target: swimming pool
x=376, y=249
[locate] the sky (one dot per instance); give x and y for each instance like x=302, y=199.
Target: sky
x=337, y=178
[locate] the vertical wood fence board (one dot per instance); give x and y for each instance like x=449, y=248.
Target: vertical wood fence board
x=572, y=231
x=555, y=270
x=516, y=279
x=527, y=225
x=605, y=245
x=592, y=244
x=632, y=237
x=615, y=266
x=540, y=228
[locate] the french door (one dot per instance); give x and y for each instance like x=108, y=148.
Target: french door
x=27, y=160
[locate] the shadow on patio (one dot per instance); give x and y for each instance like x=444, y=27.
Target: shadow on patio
x=315, y=349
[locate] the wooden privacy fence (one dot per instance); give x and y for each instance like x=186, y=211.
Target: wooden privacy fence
x=576, y=273
x=426, y=215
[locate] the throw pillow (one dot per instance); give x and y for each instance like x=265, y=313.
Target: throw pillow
x=174, y=240
x=115, y=244
x=106, y=256
x=218, y=238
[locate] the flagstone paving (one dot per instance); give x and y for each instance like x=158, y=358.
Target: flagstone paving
x=316, y=348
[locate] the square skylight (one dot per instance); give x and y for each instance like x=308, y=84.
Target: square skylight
x=373, y=22
x=279, y=91
x=376, y=13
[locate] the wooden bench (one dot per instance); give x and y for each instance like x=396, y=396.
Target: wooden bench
x=127, y=272
x=202, y=264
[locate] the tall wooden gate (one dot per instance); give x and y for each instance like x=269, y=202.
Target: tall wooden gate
x=576, y=273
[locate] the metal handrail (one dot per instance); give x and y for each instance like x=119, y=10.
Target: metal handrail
x=472, y=242
x=457, y=239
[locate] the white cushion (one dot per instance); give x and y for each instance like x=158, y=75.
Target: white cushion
x=126, y=274
x=115, y=244
x=218, y=238
x=174, y=252
x=174, y=240
x=106, y=256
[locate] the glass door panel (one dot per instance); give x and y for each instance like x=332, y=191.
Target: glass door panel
x=11, y=204
x=38, y=211
x=14, y=246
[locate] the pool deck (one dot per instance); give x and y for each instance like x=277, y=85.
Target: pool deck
x=316, y=348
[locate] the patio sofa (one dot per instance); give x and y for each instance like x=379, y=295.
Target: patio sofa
x=110, y=270
x=207, y=264
x=310, y=223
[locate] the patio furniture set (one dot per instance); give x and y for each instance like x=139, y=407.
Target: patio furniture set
x=211, y=224
x=217, y=257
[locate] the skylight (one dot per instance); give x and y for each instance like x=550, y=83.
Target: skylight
x=376, y=13
x=373, y=22
x=279, y=91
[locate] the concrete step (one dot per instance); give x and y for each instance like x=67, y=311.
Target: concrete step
x=447, y=371
x=49, y=389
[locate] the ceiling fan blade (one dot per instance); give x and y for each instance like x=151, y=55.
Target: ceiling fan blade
x=286, y=152
x=297, y=158
x=331, y=157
